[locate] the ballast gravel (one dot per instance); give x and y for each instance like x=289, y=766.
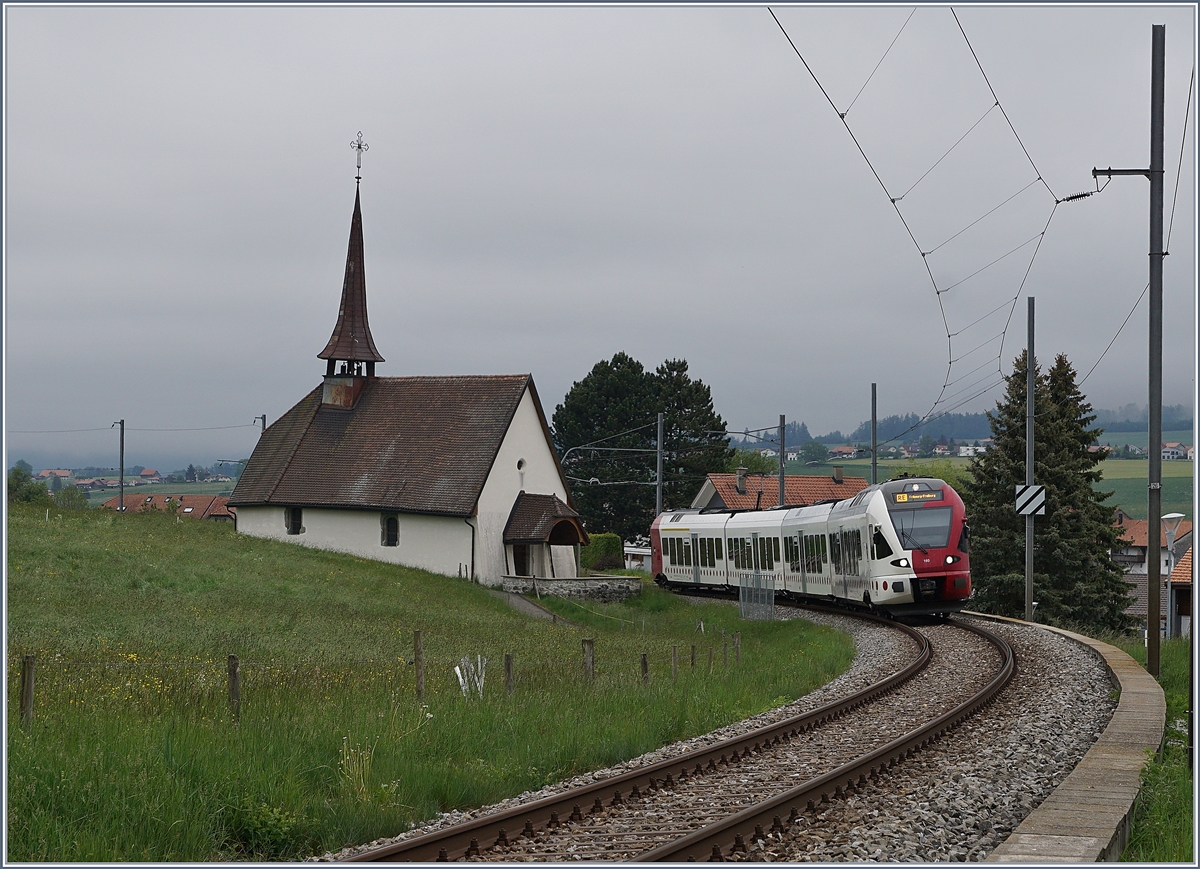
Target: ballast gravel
x=957, y=800
x=954, y=801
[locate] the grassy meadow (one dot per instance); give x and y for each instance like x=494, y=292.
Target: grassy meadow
x=1164, y=821
x=133, y=753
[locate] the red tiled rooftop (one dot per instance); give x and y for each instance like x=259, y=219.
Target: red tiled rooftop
x=1136, y=531
x=1182, y=574
x=798, y=490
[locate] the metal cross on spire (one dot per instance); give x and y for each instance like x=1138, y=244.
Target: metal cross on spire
x=359, y=145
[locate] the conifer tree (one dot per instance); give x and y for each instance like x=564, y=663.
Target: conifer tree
x=1075, y=581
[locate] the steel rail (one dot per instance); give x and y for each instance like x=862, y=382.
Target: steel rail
x=715, y=841
x=472, y=836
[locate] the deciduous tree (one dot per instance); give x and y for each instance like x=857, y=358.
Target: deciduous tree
x=606, y=429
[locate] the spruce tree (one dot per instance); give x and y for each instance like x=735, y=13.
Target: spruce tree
x=1075, y=581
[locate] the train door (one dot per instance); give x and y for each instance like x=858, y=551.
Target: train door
x=843, y=565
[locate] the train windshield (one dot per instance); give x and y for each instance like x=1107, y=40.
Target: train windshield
x=923, y=528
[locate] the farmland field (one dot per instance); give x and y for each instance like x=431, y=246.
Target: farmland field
x=134, y=753
x=1127, y=480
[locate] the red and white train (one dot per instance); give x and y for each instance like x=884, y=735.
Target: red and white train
x=900, y=546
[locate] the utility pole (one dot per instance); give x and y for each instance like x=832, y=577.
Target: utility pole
x=782, y=455
x=1030, y=388
x=874, y=439
x=658, y=480
x=1154, y=441
x=121, y=479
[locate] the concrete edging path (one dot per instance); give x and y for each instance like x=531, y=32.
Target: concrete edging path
x=1088, y=817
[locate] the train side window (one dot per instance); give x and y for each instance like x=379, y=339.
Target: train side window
x=687, y=549
x=775, y=540
x=964, y=540
x=674, y=541
x=882, y=549
x=717, y=541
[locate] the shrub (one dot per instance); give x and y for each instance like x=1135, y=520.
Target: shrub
x=603, y=547
x=70, y=498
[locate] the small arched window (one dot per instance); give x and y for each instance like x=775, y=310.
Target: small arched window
x=391, y=531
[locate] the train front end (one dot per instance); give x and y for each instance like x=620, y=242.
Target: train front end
x=930, y=521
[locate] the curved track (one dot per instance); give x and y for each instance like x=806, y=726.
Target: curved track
x=705, y=803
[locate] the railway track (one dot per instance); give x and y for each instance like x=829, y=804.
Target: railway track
x=714, y=802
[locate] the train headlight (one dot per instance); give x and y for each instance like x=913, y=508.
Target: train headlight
x=900, y=562
x=950, y=559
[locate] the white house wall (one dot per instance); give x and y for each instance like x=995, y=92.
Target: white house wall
x=526, y=439
x=436, y=543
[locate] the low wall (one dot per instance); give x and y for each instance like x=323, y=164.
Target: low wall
x=1087, y=818
x=613, y=589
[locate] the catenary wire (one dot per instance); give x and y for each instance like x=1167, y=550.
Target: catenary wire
x=997, y=99
x=1170, y=227
x=894, y=201
x=982, y=217
x=947, y=154
x=881, y=60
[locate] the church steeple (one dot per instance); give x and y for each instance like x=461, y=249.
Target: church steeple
x=351, y=342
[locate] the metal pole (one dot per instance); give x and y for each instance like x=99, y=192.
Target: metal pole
x=1154, y=488
x=658, y=480
x=263, y=418
x=874, y=440
x=1030, y=390
x=121, y=469
x=782, y=500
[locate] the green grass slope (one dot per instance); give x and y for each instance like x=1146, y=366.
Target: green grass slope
x=133, y=753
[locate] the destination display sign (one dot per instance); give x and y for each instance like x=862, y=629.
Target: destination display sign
x=910, y=497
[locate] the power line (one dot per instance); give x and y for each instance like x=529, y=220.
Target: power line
x=881, y=60
x=107, y=428
x=895, y=202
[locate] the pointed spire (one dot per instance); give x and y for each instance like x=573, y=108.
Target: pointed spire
x=351, y=340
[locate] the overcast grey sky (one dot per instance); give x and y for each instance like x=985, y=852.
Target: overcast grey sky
x=546, y=186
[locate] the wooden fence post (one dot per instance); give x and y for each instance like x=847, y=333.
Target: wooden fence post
x=235, y=689
x=645, y=669
x=694, y=653
x=27, y=691
x=710, y=652
x=674, y=663
x=419, y=663
x=737, y=647
x=508, y=671
x=589, y=659
x=725, y=650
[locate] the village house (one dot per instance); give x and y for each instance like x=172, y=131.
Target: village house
x=213, y=507
x=49, y=475
x=1174, y=451
x=455, y=474
x=1132, y=559
x=742, y=491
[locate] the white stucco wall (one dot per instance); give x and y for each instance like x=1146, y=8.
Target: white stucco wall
x=436, y=543
x=525, y=440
